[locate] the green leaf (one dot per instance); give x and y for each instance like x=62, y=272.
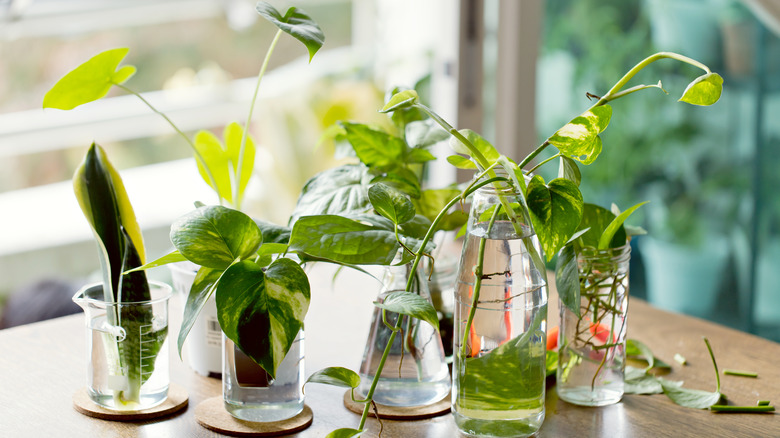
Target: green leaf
x=568, y=169
x=344, y=433
x=391, y=203
x=172, y=257
x=551, y=363
x=644, y=352
x=202, y=287
x=424, y=133
x=616, y=224
x=409, y=303
x=296, y=23
x=401, y=178
x=215, y=236
x=579, y=139
x=341, y=190
x=401, y=100
x=336, y=376
x=461, y=162
x=690, y=398
x=232, y=135
x=263, y=311
x=704, y=90
x=415, y=228
x=432, y=201
x=90, y=81
x=216, y=158
x=596, y=219
x=273, y=233
x=556, y=211
x=372, y=146
x=417, y=155
x=567, y=279
x=483, y=146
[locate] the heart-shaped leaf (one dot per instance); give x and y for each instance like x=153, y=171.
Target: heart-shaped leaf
x=263, y=311
x=424, y=133
x=297, y=23
x=567, y=279
x=401, y=100
x=215, y=236
x=90, y=81
x=200, y=291
x=340, y=190
x=579, y=139
x=372, y=146
x=409, y=303
x=273, y=233
x=222, y=159
x=556, y=210
x=335, y=376
x=400, y=178
x=391, y=203
x=690, y=398
x=704, y=90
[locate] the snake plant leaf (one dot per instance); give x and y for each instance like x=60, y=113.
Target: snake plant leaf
x=89, y=81
x=556, y=211
x=262, y=311
x=609, y=233
x=391, y=203
x=401, y=100
x=409, y=303
x=567, y=279
x=579, y=139
x=487, y=150
x=704, y=90
x=344, y=433
x=335, y=376
x=297, y=23
x=568, y=169
x=216, y=236
x=340, y=190
x=372, y=146
x=202, y=288
x=461, y=162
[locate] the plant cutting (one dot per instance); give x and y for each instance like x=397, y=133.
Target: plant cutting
x=537, y=217
x=127, y=316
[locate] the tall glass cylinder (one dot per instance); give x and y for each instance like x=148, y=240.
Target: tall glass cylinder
x=500, y=320
x=251, y=394
x=415, y=372
x=592, y=352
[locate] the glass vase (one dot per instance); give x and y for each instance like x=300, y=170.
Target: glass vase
x=127, y=348
x=592, y=352
x=415, y=372
x=251, y=394
x=500, y=320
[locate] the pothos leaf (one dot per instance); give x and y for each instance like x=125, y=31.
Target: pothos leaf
x=297, y=23
x=579, y=139
x=340, y=190
x=372, y=146
x=704, y=90
x=615, y=225
x=401, y=100
x=690, y=398
x=461, y=162
x=89, y=81
x=409, y=303
x=202, y=287
x=556, y=211
x=336, y=376
x=568, y=169
x=487, y=150
x=391, y=203
x=596, y=219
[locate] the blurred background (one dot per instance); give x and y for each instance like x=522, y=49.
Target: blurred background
x=514, y=71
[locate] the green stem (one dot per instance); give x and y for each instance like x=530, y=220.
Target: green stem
x=198, y=156
x=714, y=364
x=739, y=373
x=542, y=163
x=245, y=134
x=745, y=409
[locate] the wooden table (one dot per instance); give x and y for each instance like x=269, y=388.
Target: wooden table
x=43, y=364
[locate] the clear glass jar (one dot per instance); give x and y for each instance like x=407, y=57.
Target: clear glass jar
x=500, y=320
x=252, y=395
x=592, y=352
x=415, y=372
x=127, y=348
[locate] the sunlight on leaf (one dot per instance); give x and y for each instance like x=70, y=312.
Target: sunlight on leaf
x=344, y=433
x=704, y=90
x=556, y=211
x=401, y=100
x=409, y=303
x=579, y=139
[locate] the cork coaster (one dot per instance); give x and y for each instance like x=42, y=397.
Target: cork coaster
x=212, y=415
x=177, y=400
x=441, y=407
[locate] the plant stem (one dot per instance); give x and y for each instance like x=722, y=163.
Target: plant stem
x=198, y=156
x=744, y=409
x=542, y=163
x=739, y=373
x=245, y=134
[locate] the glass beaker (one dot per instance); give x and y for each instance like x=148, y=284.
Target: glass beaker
x=592, y=352
x=251, y=394
x=500, y=320
x=415, y=372
x=127, y=348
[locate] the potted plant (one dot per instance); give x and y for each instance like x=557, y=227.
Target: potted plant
x=533, y=217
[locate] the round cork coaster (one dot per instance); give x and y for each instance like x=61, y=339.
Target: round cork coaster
x=177, y=400
x=212, y=415
x=441, y=407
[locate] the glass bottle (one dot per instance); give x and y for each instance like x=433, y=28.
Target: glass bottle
x=592, y=356
x=415, y=372
x=500, y=320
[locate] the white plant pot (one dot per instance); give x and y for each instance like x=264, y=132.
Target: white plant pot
x=203, y=347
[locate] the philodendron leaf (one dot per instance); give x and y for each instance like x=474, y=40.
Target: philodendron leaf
x=297, y=23
x=487, y=150
x=409, y=303
x=461, y=162
x=263, y=311
x=391, y=203
x=556, y=211
x=401, y=100
x=372, y=146
x=336, y=376
x=90, y=81
x=568, y=169
x=567, y=279
x=200, y=291
x=615, y=225
x=340, y=190
x=344, y=433
x=216, y=236
x=579, y=139
x=704, y=90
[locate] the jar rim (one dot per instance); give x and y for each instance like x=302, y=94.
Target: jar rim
x=164, y=294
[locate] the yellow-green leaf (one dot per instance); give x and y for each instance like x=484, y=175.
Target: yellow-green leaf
x=232, y=136
x=704, y=90
x=401, y=100
x=217, y=158
x=579, y=139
